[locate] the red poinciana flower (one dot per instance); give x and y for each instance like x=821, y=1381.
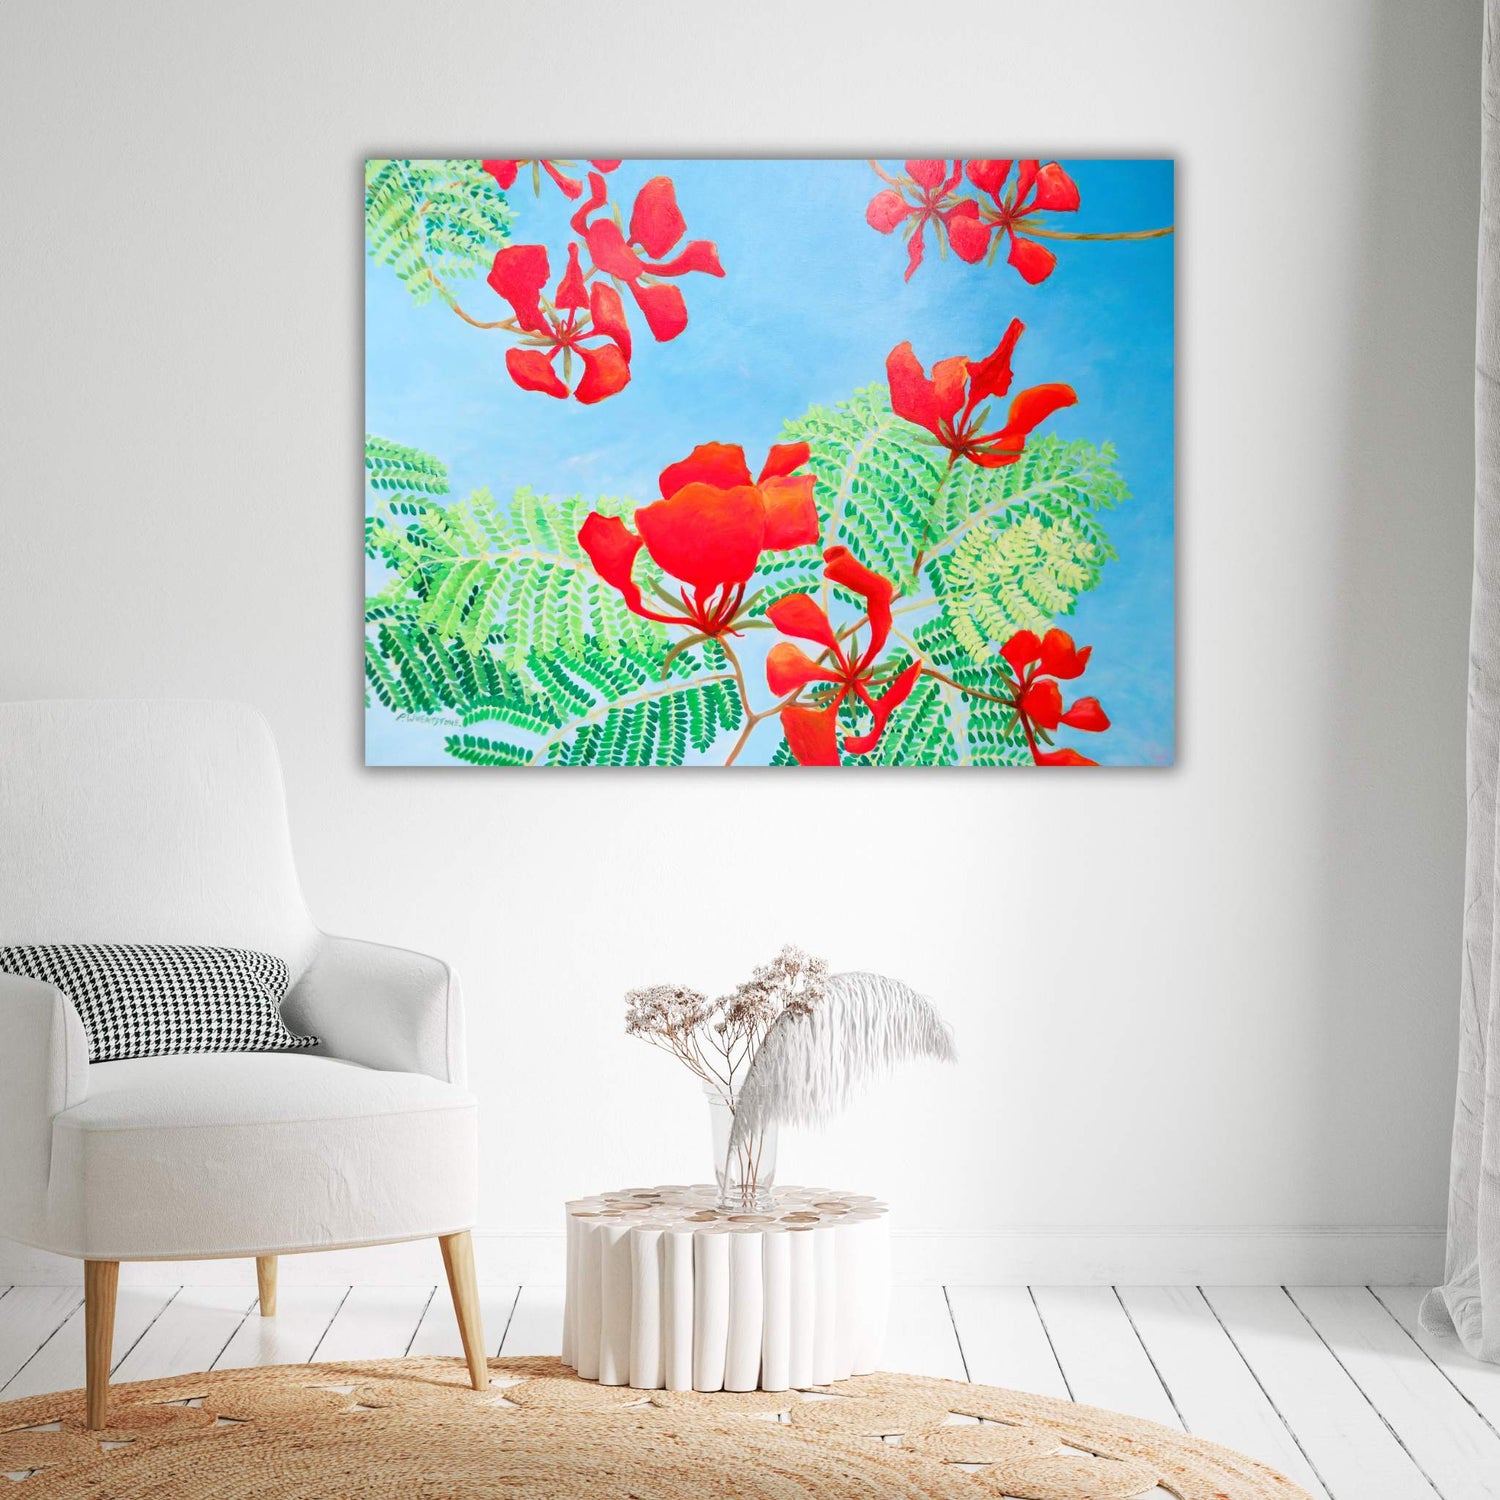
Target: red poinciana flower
x=948, y=405
x=576, y=312
x=923, y=196
x=812, y=733
x=708, y=532
x=1037, y=189
x=1037, y=699
x=505, y=172
x=656, y=226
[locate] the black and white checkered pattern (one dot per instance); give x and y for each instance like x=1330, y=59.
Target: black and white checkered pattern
x=150, y=999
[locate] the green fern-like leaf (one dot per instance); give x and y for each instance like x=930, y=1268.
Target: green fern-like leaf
x=877, y=484
x=920, y=732
x=654, y=727
x=985, y=732
x=1015, y=572
x=413, y=671
x=478, y=751
x=433, y=222
x=783, y=755
x=991, y=736
x=394, y=466
x=512, y=578
x=1002, y=548
x=494, y=614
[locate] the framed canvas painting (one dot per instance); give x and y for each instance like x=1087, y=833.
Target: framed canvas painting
x=769, y=463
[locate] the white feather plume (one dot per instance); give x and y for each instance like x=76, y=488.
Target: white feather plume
x=810, y=1066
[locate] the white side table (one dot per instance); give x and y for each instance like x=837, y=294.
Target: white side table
x=667, y=1292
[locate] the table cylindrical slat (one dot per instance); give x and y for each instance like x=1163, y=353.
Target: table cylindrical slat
x=677, y=1309
x=616, y=1282
x=645, y=1310
x=776, y=1316
x=570, y=1296
x=803, y=1301
x=868, y=1300
x=746, y=1312
x=587, y=1331
x=710, y=1308
x=825, y=1304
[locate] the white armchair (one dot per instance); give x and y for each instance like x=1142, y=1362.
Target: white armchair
x=165, y=822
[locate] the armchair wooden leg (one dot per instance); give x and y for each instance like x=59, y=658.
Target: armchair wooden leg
x=458, y=1261
x=265, y=1279
x=101, y=1280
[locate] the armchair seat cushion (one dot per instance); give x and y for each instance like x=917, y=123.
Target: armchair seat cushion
x=216, y=1154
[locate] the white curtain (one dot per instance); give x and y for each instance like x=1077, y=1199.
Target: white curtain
x=1469, y=1298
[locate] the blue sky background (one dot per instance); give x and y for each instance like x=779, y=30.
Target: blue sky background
x=812, y=302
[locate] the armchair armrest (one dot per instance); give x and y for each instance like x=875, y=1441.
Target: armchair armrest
x=44, y=1063
x=386, y=1008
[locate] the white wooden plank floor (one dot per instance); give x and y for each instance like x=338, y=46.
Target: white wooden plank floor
x=1340, y=1388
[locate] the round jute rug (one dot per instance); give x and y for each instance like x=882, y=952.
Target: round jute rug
x=414, y=1428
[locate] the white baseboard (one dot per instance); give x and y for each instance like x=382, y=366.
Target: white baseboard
x=1101, y=1255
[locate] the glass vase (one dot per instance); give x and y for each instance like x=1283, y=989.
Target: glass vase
x=746, y=1175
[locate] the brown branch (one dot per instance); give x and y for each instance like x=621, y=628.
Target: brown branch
x=508, y=324
x=1068, y=234
x=972, y=692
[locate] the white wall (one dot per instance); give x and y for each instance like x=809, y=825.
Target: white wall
x=1207, y=1015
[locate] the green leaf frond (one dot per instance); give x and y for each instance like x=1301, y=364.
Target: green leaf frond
x=433, y=221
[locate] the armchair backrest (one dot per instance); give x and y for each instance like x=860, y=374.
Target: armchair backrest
x=146, y=821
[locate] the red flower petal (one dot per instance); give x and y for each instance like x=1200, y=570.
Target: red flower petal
x=612, y=547
x=606, y=372
x=504, y=172
x=789, y=667
x=967, y=233
x=783, y=458
x=791, y=512
x=698, y=255
x=886, y=210
x=812, y=734
x=916, y=247
x=1061, y=758
x=1055, y=190
x=1033, y=261
x=665, y=310
x=531, y=371
x=571, y=292
x=927, y=174
x=800, y=615
x=1033, y=406
x=913, y=395
x=988, y=176
x=704, y=535
x=656, y=223
x=608, y=250
x=719, y=464
x=1059, y=658
x=1087, y=714
x=883, y=707
x=1025, y=176
x=991, y=375
x=950, y=377
x=605, y=166
x=597, y=194
x=519, y=274
x=1023, y=648
x=1042, y=703
x=608, y=313
x=841, y=566
x=570, y=185
x=926, y=402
